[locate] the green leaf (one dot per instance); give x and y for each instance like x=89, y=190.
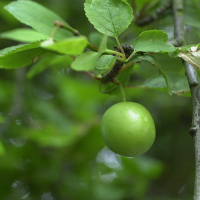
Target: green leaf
x=85, y=62
x=24, y=35
x=40, y=65
x=105, y=62
x=156, y=82
x=38, y=17
x=153, y=41
x=109, y=17
x=18, y=48
x=70, y=46
x=20, y=56
x=49, y=60
x=153, y=61
x=10, y=49
x=178, y=83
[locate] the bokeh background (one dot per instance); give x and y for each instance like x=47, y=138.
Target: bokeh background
x=50, y=141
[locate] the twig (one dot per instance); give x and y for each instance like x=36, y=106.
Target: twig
x=195, y=129
x=74, y=32
x=67, y=27
x=156, y=15
x=92, y=75
x=194, y=89
x=179, y=31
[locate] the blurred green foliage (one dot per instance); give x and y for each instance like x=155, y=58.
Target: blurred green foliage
x=50, y=141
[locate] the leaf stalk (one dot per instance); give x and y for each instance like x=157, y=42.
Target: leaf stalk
x=120, y=46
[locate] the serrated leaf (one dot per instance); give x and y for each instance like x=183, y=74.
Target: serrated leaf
x=10, y=49
x=38, y=17
x=70, y=46
x=85, y=61
x=178, y=83
x=152, y=60
x=18, y=48
x=109, y=17
x=23, y=35
x=20, y=56
x=105, y=62
x=153, y=41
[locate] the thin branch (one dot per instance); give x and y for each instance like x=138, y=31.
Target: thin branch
x=92, y=75
x=156, y=15
x=192, y=77
x=67, y=27
x=179, y=31
x=134, y=7
x=74, y=32
x=195, y=129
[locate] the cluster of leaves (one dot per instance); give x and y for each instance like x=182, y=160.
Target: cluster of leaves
x=67, y=45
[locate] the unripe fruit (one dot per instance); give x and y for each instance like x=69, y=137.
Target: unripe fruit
x=128, y=129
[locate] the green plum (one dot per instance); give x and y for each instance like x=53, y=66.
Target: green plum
x=128, y=129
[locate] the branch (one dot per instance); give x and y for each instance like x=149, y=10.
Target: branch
x=156, y=15
x=195, y=129
x=179, y=31
x=192, y=77
x=74, y=32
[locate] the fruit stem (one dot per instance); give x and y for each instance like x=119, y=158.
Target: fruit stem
x=121, y=89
